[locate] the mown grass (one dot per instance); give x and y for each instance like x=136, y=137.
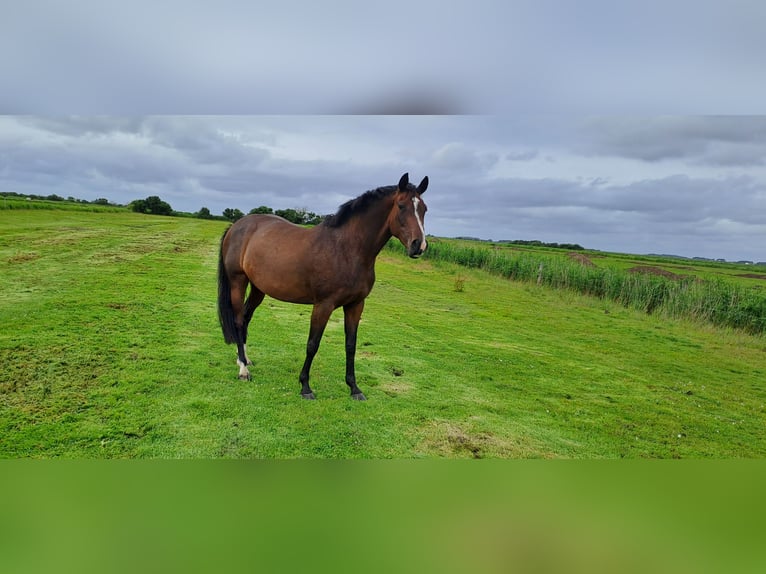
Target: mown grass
x=17, y=203
x=110, y=347
x=719, y=301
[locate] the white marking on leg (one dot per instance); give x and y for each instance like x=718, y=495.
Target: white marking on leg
x=247, y=359
x=416, y=203
x=243, y=372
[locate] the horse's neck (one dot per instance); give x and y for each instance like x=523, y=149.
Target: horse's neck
x=369, y=232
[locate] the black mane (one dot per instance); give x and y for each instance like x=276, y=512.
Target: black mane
x=358, y=205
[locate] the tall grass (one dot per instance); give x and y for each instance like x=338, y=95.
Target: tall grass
x=717, y=301
x=14, y=203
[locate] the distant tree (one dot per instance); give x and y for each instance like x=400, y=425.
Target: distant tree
x=233, y=214
x=138, y=205
x=152, y=204
x=291, y=215
x=54, y=197
x=299, y=216
x=158, y=207
x=101, y=201
x=204, y=213
x=312, y=218
x=537, y=243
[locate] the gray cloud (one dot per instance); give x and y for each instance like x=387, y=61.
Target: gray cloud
x=720, y=140
x=524, y=155
x=460, y=157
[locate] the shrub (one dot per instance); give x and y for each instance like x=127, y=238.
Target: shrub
x=152, y=205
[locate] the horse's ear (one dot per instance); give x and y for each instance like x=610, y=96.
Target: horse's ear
x=404, y=182
x=423, y=186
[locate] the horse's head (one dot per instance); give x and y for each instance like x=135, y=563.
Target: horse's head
x=406, y=219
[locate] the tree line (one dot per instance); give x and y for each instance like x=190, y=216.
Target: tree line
x=298, y=216
x=155, y=206
x=536, y=243
x=54, y=197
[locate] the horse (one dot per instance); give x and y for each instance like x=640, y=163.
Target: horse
x=328, y=266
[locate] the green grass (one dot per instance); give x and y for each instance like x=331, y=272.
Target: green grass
x=110, y=347
x=720, y=300
x=16, y=203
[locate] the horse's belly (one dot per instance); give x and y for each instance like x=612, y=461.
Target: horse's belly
x=284, y=282
x=291, y=297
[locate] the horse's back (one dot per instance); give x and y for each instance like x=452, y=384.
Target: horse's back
x=259, y=223
x=261, y=231
x=276, y=255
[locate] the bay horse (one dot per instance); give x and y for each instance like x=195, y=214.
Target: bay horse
x=328, y=266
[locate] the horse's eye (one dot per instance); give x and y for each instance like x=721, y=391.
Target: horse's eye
x=402, y=205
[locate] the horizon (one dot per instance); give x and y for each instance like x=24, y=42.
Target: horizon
x=517, y=241
x=695, y=186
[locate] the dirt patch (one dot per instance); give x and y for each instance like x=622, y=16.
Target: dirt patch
x=581, y=259
x=461, y=442
x=752, y=275
x=394, y=389
x=453, y=441
x=649, y=270
x=23, y=258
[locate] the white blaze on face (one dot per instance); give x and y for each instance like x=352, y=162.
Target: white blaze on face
x=416, y=203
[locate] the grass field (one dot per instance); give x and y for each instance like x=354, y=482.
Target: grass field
x=110, y=347
x=717, y=293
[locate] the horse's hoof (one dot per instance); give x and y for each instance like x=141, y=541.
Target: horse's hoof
x=246, y=377
x=359, y=397
x=309, y=396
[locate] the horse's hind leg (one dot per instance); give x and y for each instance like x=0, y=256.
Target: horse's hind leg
x=239, y=308
x=254, y=298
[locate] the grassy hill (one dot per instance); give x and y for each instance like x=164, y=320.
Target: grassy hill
x=110, y=347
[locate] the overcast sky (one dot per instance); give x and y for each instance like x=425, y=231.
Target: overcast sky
x=627, y=126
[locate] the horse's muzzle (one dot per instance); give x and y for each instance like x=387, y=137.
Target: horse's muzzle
x=416, y=248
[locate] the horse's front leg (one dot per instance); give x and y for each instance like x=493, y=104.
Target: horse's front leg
x=352, y=314
x=319, y=317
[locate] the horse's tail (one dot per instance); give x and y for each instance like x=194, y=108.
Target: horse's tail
x=225, y=309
